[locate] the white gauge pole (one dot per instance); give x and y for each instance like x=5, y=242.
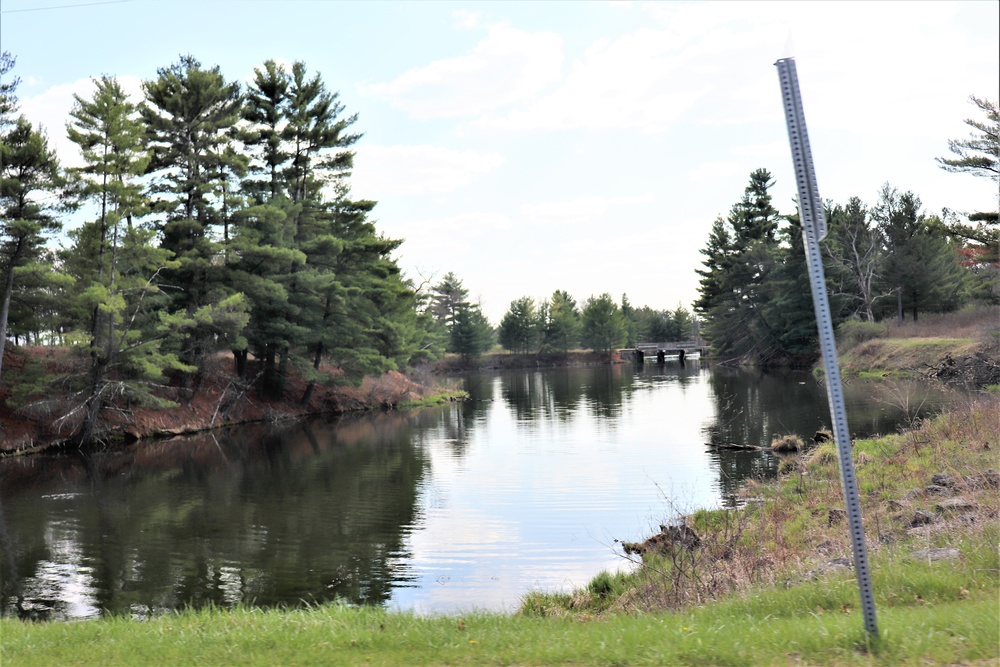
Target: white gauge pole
x=813, y=231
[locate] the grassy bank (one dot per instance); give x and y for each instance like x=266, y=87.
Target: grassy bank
x=767, y=629
x=922, y=348
x=762, y=587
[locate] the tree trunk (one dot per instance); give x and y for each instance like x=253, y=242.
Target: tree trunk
x=312, y=383
x=95, y=403
x=270, y=373
x=240, y=363
x=8, y=289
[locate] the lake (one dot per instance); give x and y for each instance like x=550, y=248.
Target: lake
x=525, y=486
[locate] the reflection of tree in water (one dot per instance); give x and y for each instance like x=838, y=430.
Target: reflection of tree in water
x=609, y=386
x=526, y=394
x=751, y=409
x=754, y=407
x=455, y=424
x=558, y=393
x=670, y=372
x=256, y=516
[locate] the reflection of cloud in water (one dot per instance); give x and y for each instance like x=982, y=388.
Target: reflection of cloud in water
x=537, y=505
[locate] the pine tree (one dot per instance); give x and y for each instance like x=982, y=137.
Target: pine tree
x=740, y=254
x=190, y=112
x=8, y=90
x=633, y=328
x=561, y=323
x=921, y=267
x=449, y=297
x=603, y=325
x=520, y=328
x=980, y=153
x=471, y=333
x=979, y=234
x=28, y=167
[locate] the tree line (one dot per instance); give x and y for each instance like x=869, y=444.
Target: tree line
x=224, y=223
x=219, y=219
x=888, y=260
x=556, y=325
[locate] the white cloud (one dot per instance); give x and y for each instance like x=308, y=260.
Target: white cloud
x=417, y=170
x=435, y=245
x=466, y=20
x=647, y=80
x=508, y=66
x=470, y=223
x=580, y=209
x=714, y=170
x=769, y=150
x=709, y=63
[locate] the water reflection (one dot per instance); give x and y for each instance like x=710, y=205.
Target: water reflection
x=526, y=485
x=305, y=513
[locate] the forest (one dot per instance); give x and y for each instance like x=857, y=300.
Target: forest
x=223, y=223
x=218, y=220
x=888, y=260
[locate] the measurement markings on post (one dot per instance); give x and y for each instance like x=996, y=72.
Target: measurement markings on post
x=814, y=230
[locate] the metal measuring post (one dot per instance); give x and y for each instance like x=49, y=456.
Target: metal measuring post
x=813, y=231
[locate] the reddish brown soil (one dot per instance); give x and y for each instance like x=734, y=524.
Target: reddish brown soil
x=219, y=400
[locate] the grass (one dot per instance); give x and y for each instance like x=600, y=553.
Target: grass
x=813, y=624
x=434, y=399
x=883, y=349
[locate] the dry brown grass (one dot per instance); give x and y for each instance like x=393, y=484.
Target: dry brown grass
x=789, y=528
x=972, y=323
x=788, y=443
x=909, y=355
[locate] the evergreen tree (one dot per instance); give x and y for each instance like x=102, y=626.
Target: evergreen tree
x=633, y=328
x=28, y=167
x=190, y=112
x=356, y=309
x=449, y=299
x=520, y=328
x=682, y=323
x=115, y=264
x=561, y=323
x=8, y=90
x=789, y=307
x=603, y=325
x=265, y=111
x=978, y=155
x=921, y=268
x=979, y=233
x=471, y=333
x=449, y=296
x=740, y=254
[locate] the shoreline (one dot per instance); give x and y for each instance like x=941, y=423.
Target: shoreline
x=222, y=400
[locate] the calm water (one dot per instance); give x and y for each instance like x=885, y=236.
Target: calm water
x=525, y=486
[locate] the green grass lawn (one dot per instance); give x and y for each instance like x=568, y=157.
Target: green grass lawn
x=772, y=628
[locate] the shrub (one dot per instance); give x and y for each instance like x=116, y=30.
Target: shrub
x=787, y=443
x=852, y=333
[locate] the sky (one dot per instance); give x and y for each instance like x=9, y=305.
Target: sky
x=580, y=146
